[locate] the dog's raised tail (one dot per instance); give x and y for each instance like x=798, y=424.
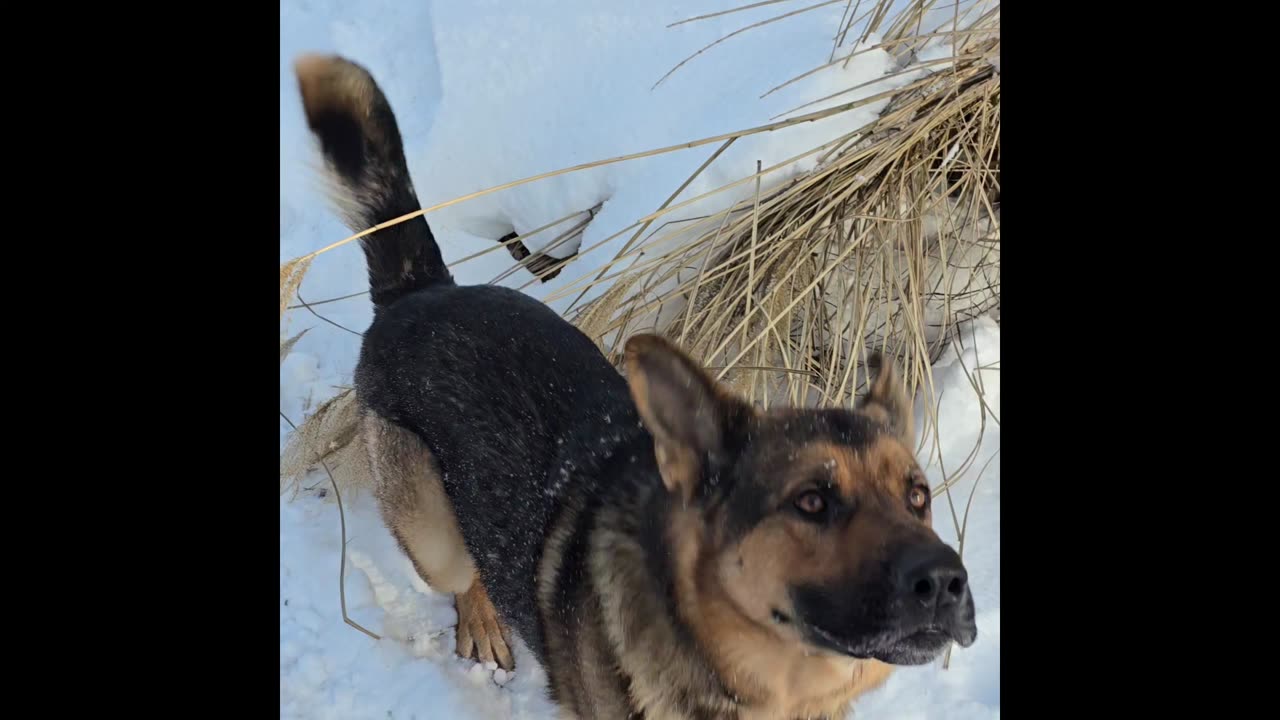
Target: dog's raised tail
x=363, y=151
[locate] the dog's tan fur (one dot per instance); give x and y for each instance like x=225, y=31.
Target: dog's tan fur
x=420, y=516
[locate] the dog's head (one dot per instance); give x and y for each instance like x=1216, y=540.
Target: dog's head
x=811, y=526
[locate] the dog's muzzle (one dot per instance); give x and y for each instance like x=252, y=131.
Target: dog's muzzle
x=907, y=616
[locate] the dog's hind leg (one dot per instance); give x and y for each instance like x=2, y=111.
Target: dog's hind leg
x=420, y=516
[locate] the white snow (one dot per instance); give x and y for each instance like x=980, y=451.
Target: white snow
x=487, y=92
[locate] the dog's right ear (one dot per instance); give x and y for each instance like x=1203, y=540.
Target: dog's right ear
x=886, y=401
x=683, y=408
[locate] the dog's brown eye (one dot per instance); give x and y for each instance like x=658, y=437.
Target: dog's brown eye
x=919, y=498
x=811, y=502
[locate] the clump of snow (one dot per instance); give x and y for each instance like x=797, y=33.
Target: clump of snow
x=489, y=91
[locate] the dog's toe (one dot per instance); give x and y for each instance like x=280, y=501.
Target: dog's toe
x=500, y=644
x=465, y=644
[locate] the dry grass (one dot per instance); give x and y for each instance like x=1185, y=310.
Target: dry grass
x=291, y=274
x=328, y=435
x=889, y=244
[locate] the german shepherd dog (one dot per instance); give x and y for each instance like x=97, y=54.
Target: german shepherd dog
x=664, y=549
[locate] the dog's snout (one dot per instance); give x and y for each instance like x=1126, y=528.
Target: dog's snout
x=933, y=576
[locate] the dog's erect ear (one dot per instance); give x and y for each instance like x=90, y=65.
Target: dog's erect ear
x=684, y=409
x=887, y=402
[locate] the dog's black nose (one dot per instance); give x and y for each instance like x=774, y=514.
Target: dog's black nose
x=932, y=575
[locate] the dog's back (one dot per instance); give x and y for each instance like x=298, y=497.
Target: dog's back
x=505, y=394
x=511, y=396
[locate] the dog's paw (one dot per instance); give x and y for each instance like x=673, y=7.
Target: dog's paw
x=481, y=635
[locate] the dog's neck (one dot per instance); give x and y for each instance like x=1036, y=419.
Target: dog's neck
x=667, y=673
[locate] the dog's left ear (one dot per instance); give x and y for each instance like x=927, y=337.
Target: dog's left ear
x=887, y=402
x=683, y=408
